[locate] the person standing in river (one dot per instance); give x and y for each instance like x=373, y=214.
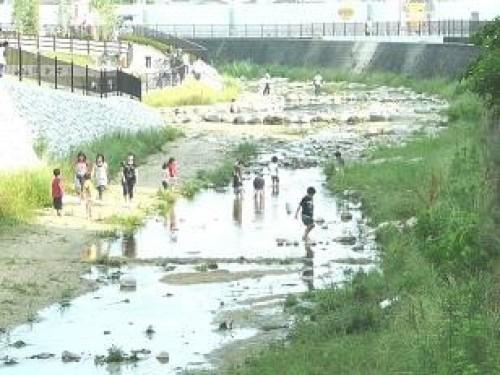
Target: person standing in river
x=258, y=186
x=238, y=179
x=339, y=163
x=129, y=177
x=317, y=82
x=306, y=207
x=274, y=172
x=267, y=84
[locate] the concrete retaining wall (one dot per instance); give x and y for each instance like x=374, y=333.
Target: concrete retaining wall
x=414, y=59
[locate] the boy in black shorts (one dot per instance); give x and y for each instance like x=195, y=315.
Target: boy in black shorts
x=306, y=205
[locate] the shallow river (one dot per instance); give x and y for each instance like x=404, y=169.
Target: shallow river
x=259, y=245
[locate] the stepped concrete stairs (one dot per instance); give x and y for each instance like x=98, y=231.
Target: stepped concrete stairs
x=362, y=55
x=16, y=141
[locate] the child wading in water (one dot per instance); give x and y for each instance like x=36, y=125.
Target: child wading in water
x=100, y=173
x=306, y=205
x=129, y=177
x=238, y=180
x=87, y=194
x=274, y=172
x=57, y=191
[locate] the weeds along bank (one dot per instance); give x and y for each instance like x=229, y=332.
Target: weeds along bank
x=433, y=307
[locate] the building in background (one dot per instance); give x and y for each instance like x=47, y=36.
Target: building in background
x=226, y=12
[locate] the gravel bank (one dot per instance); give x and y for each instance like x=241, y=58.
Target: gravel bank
x=64, y=120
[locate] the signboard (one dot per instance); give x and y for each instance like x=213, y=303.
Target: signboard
x=346, y=12
x=415, y=10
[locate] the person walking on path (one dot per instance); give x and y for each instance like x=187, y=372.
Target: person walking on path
x=129, y=177
x=81, y=169
x=317, y=82
x=3, y=56
x=171, y=174
x=274, y=172
x=88, y=187
x=57, y=191
x=306, y=205
x=267, y=84
x=100, y=173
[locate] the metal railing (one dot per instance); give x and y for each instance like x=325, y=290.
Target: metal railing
x=66, y=75
x=445, y=28
x=59, y=44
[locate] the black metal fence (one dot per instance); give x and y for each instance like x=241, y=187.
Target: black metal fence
x=445, y=28
x=66, y=75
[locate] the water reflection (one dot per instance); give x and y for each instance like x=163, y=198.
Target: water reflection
x=129, y=246
x=238, y=210
x=308, y=272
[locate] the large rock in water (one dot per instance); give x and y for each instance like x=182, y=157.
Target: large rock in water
x=16, y=141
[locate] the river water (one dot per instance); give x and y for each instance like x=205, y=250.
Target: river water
x=259, y=256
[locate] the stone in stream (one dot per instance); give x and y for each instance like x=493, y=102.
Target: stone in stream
x=308, y=272
x=43, y=355
x=107, y=332
x=163, y=357
x=345, y=216
x=358, y=248
x=128, y=283
x=346, y=240
x=67, y=356
x=150, y=331
x=9, y=361
x=18, y=344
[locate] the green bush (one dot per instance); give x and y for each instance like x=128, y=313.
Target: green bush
x=165, y=48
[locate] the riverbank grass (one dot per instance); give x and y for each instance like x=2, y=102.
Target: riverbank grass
x=193, y=92
x=432, y=308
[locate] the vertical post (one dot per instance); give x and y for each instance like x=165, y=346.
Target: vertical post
x=19, y=40
x=117, y=82
x=333, y=28
x=399, y=28
x=88, y=46
x=54, y=43
x=262, y=31
x=55, y=73
x=324, y=29
x=461, y=28
x=211, y=31
x=100, y=83
x=194, y=30
x=39, y=66
x=20, y=57
x=72, y=77
x=71, y=44
x=439, y=27
x=345, y=29
x=300, y=30
x=37, y=42
x=105, y=48
x=86, y=79
x=419, y=28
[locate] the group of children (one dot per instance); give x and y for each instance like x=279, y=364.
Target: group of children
x=85, y=176
x=317, y=84
x=306, y=205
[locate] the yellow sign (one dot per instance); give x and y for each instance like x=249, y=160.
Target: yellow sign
x=415, y=10
x=346, y=12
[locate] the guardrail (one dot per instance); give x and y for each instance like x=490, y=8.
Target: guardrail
x=64, y=75
x=445, y=28
x=58, y=44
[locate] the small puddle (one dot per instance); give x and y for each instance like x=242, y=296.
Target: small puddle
x=215, y=262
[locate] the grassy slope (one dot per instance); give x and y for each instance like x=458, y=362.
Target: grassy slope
x=445, y=318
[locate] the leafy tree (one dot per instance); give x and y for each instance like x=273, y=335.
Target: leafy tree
x=484, y=74
x=25, y=15
x=107, y=17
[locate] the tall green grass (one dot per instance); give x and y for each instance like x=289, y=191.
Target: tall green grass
x=192, y=92
x=21, y=193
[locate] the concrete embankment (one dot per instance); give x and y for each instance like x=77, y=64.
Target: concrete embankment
x=414, y=59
